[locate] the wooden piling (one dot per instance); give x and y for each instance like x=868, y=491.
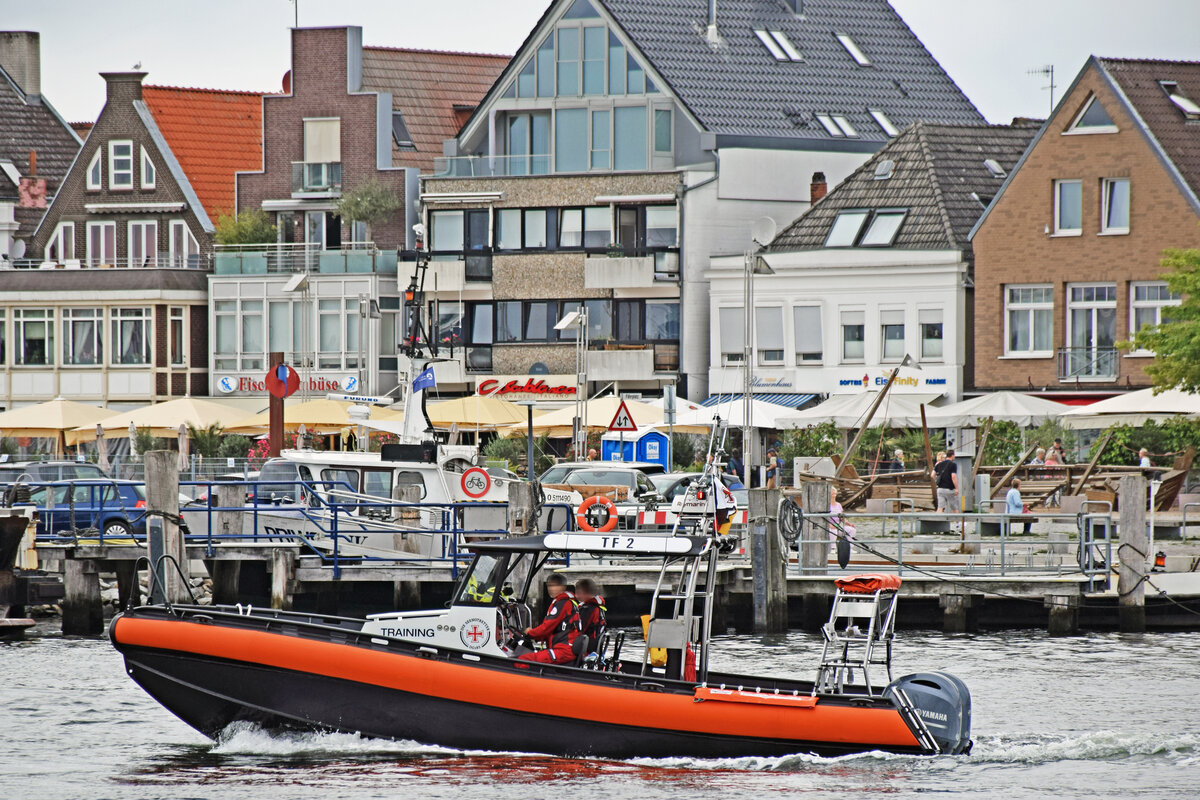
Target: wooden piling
x=1063, y=614
x=83, y=614
x=767, y=561
x=129, y=592
x=162, y=495
x=226, y=577
x=957, y=613
x=521, y=519
x=1131, y=553
x=814, y=553
x=283, y=564
x=406, y=594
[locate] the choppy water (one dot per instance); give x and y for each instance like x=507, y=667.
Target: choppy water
x=1098, y=716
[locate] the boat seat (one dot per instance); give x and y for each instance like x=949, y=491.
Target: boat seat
x=579, y=648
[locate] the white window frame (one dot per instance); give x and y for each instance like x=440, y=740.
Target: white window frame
x=760, y=349
x=113, y=172
x=845, y=314
x=135, y=242
x=1058, y=184
x=1092, y=306
x=731, y=356
x=882, y=120
x=96, y=259
x=1106, y=185
x=1030, y=309
x=922, y=320
x=149, y=171
x=1157, y=305
x=888, y=313
x=24, y=316
x=95, y=172
x=73, y=314
x=224, y=310
x=178, y=314
x=800, y=352
x=1074, y=130
x=182, y=245
x=56, y=249
x=118, y=321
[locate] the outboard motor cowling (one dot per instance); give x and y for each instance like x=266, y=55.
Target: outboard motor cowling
x=941, y=702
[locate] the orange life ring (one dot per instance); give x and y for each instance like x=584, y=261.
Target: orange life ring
x=581, y=517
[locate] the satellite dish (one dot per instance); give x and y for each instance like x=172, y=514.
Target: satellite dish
x=18, y=249
x=763, y=231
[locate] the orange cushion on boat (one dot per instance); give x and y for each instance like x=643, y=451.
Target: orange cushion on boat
x=864, y=584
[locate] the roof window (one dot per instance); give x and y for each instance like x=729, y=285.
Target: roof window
x=884, y=169
x=1092, y=119
x=884, y=123
x=830, y=126
x=845, y=125
x=1185, y=104
x=400, y=134
x=837, y=125
x=845, y=228
x=993, y=166
x=883, y=228
x=778, y=45
x=854, y=50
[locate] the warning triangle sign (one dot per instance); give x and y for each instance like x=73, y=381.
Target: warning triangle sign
x=622, y=420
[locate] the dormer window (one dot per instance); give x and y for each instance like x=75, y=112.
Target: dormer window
x=1188, y=106
x=854, y=50
x=149, y=174
x=1092, y=119
x=120, y=165
x=778, y=45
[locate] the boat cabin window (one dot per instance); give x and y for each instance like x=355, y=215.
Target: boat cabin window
x=483, y=582
x=377, y=483
x=340, y=480
x=412, y=478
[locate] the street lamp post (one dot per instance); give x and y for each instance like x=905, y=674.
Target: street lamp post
x=753, y=266
x=529, y=470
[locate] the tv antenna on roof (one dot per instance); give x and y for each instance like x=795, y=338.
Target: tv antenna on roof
x=1046, y=71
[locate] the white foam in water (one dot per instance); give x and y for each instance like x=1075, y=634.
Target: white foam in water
x=763, y=763
x=245, y=738
x=1106, y=745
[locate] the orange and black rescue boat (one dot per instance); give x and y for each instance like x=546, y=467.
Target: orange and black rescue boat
x=450, y=676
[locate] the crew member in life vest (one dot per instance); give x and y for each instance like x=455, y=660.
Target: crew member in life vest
x=560, y=628
x=591, y=609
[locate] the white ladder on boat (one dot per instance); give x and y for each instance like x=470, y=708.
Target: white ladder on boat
x=857, y=636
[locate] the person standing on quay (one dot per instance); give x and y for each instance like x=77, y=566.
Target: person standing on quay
x=946, y=475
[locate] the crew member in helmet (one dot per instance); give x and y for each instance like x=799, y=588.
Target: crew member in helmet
x=591, y=610
x=560, y=628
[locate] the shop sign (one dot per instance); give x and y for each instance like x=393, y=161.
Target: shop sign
x=547, y=387
x=229, y=384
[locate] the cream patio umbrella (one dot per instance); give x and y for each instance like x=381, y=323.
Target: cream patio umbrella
x=1133, y=408
x=162, y=419
x=849, y=410
x=475, y=413
x=320, y=416
x=51, y=420
x=558, y=424
x=1025, y=410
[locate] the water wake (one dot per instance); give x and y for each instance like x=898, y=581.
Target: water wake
x=248, y=739
x=1096, y=745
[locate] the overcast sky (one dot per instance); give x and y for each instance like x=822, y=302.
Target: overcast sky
x=987, y=47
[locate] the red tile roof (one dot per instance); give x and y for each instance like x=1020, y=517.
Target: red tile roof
x=435, y=91
x=213, y=134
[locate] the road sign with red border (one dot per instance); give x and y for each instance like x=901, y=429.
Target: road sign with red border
x=622, y=420
x=476, y=482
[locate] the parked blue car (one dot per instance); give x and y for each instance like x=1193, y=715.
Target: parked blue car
x=112, y=506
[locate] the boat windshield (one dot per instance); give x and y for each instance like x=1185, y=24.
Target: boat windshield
x=483, y=581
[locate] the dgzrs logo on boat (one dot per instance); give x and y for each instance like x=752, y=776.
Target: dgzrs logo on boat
x=475, y=633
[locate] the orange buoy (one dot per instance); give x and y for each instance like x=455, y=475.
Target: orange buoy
x=581, y=514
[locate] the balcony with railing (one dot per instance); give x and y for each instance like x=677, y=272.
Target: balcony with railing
x=1087, y=364
x=267, y=259
x=162, y=260
x=490, y=166
x=610, y=361
x=619, y=271
x=316, y=178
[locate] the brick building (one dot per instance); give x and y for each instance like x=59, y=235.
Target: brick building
x=325, y=293
x=628, y=142
x=1067, y=256
x=115, y=310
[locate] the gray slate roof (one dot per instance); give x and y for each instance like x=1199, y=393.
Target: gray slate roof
x=737, y=88
x=937, y=167
x=26, y=126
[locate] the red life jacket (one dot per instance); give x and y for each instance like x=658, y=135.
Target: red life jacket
x=561, y=625
x=592, y=620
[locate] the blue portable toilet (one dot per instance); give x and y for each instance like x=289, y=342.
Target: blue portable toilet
x=645, y=444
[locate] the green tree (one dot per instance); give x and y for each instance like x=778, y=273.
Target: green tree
x=206, y=442
x=234, y=445
x=1176, y=342
x=815, y=440
x=370, y=202
x=683, y=449
x=1169, y=436
x=252, y=226
x=144, y=441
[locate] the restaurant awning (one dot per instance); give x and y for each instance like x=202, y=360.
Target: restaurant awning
x=788, y=400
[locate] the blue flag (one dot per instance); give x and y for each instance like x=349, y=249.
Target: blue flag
x=425, y=380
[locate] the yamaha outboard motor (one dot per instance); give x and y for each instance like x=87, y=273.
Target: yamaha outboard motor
x=941, y=704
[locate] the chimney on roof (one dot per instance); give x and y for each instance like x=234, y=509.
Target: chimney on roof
x=712, y=35
x=21, y=58
x=123, y=87
x=818, y=188
x=33, y=162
